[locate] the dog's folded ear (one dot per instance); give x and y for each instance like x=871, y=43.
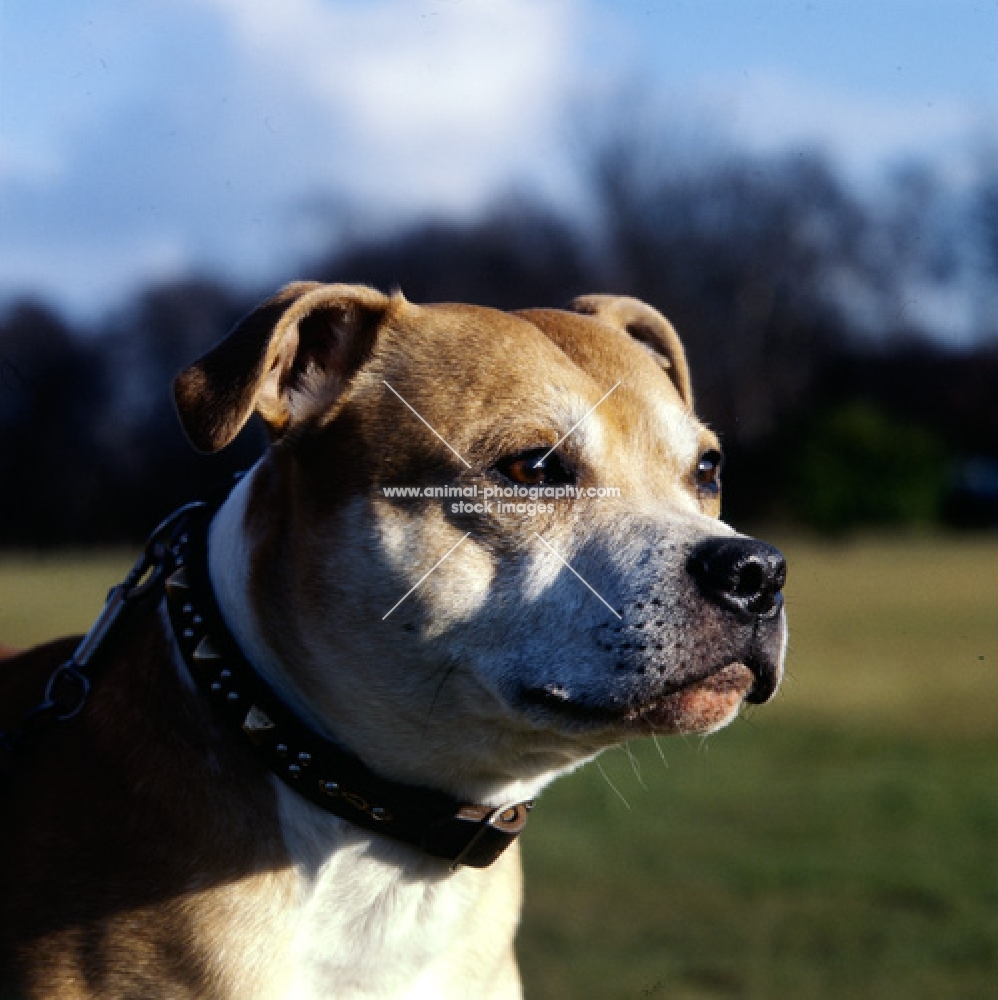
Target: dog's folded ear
x=288, y=361
x=639, y=320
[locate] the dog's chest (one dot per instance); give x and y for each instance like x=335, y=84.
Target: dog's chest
x=373, y=918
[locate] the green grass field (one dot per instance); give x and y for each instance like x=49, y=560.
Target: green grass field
x=840, y=842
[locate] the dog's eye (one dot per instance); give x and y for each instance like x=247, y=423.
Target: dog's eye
x=708, y=475
x=536, y=468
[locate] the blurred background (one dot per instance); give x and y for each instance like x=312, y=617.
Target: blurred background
x=809, y=190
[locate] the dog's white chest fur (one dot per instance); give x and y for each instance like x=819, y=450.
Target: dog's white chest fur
x=378, y=919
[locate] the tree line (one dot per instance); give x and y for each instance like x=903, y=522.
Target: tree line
x=808, y=311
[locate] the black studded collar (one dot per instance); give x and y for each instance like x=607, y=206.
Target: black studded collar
x=319, y=769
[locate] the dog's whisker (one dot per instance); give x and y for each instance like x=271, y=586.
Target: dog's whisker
x=661, y=752
x=613, y=787
x=635, y=766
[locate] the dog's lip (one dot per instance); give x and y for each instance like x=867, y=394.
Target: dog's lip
x=765, y=677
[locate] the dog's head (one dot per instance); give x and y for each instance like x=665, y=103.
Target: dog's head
x=561, y=582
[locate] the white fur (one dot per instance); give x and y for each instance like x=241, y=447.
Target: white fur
x=377, y=918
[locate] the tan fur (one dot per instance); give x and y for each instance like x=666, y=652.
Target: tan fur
x=149, y=855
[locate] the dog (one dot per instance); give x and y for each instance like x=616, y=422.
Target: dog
x=314, y=736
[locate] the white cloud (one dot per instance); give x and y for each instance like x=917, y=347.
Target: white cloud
x=405, y=67
x=437, y=101
x=771, y=110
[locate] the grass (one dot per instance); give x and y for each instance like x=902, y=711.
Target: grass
x=841, y=842
x=43, y=597
x=795, y=862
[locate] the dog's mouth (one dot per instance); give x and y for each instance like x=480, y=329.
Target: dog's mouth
x=697, y=703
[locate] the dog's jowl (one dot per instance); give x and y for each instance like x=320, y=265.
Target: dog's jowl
x=294, y=756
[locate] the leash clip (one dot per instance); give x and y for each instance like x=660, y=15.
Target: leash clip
x=148, y=571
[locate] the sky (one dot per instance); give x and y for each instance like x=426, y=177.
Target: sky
x=146, y=140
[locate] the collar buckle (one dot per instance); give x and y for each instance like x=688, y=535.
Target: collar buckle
x=497, y=829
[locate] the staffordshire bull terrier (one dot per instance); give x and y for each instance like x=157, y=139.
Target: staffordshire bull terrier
x=293, y=757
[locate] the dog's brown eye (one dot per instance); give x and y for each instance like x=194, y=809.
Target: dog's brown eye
x=536, y=468
x=525, y=471
x=709, y=471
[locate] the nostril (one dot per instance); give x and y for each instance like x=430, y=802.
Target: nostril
x=750, y=580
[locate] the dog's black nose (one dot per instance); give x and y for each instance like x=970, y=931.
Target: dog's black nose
x=740, y=574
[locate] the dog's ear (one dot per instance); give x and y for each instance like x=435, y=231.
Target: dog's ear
x=288, y=361
x=644, y=324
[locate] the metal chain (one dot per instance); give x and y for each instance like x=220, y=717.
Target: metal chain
x=68, y=686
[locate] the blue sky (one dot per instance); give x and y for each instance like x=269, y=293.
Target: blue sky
x=144, y=140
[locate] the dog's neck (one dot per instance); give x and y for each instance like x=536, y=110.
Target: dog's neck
x=229, y=572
